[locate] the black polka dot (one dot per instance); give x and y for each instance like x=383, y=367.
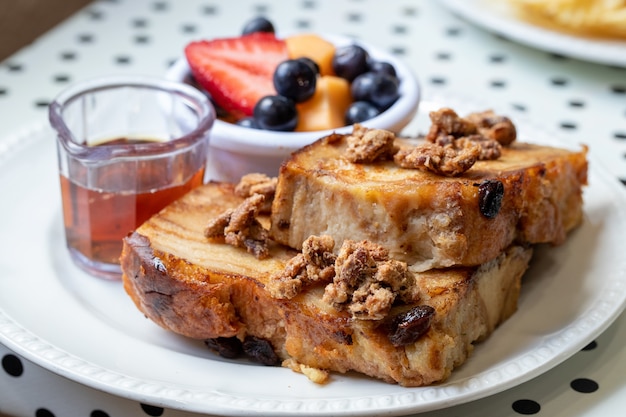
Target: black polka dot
x=576, y=103
x=623, y=180
x=68, y=56
x=42, y=103
x=584, y=385
x=122, y=59
x=497, y=83
x=519, y=107
x=98, y=413
x=618, y=89
x=61, y=78
x=409, y=11
x=303, y=24
x=160, y=6
x=526, y=407
x=443, y=56
x=14, y=67
x=591, y=346
x=559, y=81
x=438, y=80
x=189, y=28
x=309, y=4
x=497, y=58
x=454, y=31
x=398, y=50
x=501, y=37
x=209, y=10
x=44, y=412
x=261, y=8
x=95, y=14
x=142, y=39
x=140, y=23
x=400, y=29
x=568, y=126
x=85, y=38
x=3, y=91
x=354, y=17
x=12, y=365
x=558, y=57
x=619, y=135
x=152, y=410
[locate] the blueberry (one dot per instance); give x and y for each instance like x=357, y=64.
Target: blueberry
x=379, y=89
x=248, y=122
x=258, y=24
x=311, y=63
x=350, y=61
x=382, y=67
x=295, y=79
x=360, y=111
x=276, y=113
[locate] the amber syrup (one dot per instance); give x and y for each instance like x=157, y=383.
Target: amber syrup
x=97, y=220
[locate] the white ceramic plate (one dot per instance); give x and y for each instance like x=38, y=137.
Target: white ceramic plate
x=498, y=17
x=88, y=330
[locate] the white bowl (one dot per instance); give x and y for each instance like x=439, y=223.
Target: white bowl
x=235, y=151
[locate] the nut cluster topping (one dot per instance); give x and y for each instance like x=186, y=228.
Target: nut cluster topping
x=257, y=183
x=451, y=159
x=316, y=263
x=240, y=227
x=369, y=145
x=367, y=282
x=454, y=143
x=361, y=278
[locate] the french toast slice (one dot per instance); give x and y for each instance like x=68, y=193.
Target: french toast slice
x=425, y=219
x=205, y=289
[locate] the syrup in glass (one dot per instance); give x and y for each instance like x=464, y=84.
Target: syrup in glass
x=96, y=219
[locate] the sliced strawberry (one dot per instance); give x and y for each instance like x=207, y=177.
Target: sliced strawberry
x=237, y=72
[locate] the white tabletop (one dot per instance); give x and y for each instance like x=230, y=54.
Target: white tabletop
x=578, y=101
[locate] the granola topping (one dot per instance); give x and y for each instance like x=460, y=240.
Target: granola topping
x=240, y=227
x=446, y=122
x=493, y=126
x=369, y=145
x=367, y=282
x=453, y=143
x=257, y=183
x=451, y=159
x=316, y=263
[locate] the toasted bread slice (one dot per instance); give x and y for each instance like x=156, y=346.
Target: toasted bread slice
x=206, y=289
x=424, y=219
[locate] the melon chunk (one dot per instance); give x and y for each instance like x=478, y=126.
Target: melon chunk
x=314, y=47
x=327, y=108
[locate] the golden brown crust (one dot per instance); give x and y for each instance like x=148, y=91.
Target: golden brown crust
x=427, y=220
x=207, y=289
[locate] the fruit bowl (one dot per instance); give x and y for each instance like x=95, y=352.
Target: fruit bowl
x=235, y=150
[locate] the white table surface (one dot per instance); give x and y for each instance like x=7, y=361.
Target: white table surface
x=580, y=102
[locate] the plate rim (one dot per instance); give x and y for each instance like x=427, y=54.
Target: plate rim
x=406, y=400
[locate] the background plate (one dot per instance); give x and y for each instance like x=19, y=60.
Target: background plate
x=497, y=16
x=88, y=330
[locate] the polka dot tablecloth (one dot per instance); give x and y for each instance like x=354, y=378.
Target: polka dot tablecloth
x=580, y=102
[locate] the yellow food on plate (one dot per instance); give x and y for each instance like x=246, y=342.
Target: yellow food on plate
x=596, y=18
x=314, y=47
x=327, y=108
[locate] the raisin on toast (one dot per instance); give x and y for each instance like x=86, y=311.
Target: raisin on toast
x=205, y=289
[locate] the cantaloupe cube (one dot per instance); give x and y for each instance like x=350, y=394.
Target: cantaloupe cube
x=327, y=108
x=314, y=47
